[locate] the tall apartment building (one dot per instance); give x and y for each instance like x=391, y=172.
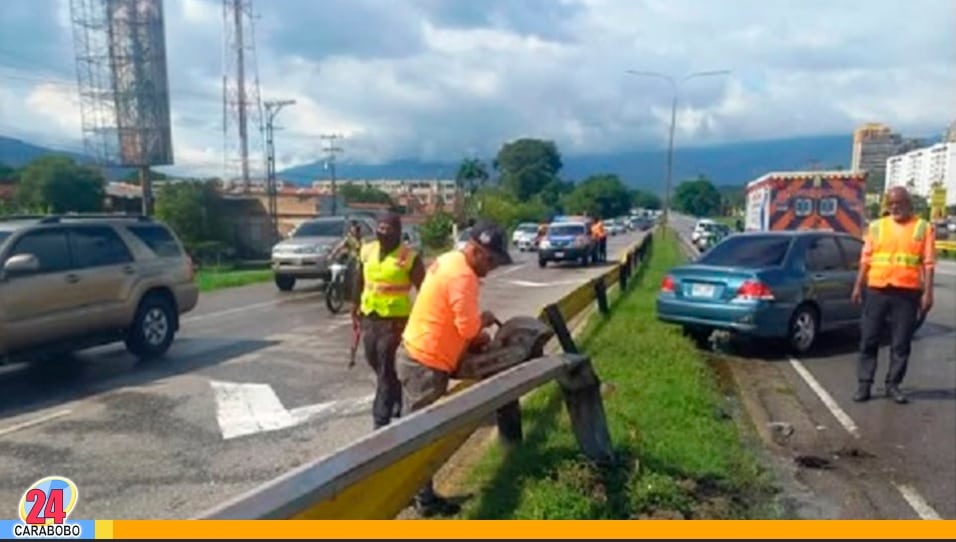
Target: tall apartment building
x=873, y=144
x=950, y=135
x=918, y=170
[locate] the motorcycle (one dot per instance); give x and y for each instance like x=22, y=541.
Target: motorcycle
x=337, y=290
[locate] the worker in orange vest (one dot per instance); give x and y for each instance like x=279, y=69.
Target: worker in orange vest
x=896, y=270
x=600, y=234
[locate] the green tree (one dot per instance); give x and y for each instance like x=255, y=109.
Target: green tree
x=876, y=183
x=527, y=166
x=502, y=207
x=698, y=197
x=193, y=209
x=366, y=193
x=645, y=200
x=436, y=230
x=58, y=184
x=472, y=174
x=133, y=176
x=599, y=195
x=553, y=194
x=8, y=174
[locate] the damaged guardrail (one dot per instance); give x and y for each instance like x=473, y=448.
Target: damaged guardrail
x=377, y=476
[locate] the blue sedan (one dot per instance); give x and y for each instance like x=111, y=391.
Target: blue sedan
x=790, y=285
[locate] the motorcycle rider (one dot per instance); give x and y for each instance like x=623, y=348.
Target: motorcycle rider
x=349, y=247
x=388, y=268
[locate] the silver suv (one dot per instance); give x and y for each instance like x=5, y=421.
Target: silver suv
x=305, y=254
x=76, y=281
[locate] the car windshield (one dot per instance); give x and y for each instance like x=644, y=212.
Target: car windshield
x=321, y=228
x=3, y=236
x=527, y=228
x=748, y=251
x=566, y=229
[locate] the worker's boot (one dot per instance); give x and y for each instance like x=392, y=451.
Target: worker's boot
x=862, y=392
x=893, y=391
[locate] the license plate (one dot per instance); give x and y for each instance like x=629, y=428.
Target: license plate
x=559, y=255
x=702, y=290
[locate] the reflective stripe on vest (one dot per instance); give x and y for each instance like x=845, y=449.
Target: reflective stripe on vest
x=896, y=262
x=387, y=281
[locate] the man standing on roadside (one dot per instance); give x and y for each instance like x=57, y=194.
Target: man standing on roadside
x=445, y=323
x=896, y=269
x=387, y=270
x=600, y=234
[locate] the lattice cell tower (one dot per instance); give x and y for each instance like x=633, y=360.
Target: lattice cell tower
x=124, y=91
x=242, y=119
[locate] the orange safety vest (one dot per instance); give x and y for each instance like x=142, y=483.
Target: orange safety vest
x=597, y=230
x=897, y=260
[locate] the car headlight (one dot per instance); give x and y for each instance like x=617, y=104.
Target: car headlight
x=545, y=243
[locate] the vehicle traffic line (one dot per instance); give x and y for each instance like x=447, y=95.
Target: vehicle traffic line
x=35, y=421
x=254, y=306
x=912, y=497
x=845, y=420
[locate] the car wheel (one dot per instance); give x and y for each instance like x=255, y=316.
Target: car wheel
x=804, y=326
x=285, y=283
x=153, y=328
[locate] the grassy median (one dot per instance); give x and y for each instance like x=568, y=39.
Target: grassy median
x=218, y=278
x=681, y=454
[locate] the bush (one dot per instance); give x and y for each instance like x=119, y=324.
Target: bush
x=436, y=231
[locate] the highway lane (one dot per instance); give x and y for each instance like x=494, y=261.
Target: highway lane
x=255, y=385
x=914, y=444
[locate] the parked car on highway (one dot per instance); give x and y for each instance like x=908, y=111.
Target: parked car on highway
x=641, y=223
x=305, y=254
x=565, y=242
x=525, y=236
x=700, y=227
x=73, y=282
x=789, y=285
x=615, y=226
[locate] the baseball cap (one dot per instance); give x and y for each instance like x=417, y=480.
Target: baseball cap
x=490, y=236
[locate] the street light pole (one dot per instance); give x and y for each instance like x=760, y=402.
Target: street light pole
x=272, y=110
x=675, y=87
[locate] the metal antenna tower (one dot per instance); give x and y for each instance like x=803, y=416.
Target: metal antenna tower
x=241, y=105
x=272, y=110
x=330, y=152
x=123, y=87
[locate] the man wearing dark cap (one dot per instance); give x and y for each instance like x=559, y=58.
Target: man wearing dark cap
x=445, y=322
x=387, y=270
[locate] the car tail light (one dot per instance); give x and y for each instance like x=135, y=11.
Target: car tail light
x=754, y=290
x=190, y=268
x=667, y=285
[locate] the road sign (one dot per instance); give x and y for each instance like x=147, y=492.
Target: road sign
x=937, y=202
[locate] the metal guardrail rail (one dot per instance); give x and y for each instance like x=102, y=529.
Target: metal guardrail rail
x=377, y=476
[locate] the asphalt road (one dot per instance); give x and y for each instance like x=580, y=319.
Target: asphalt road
x=255, y=385
x=914, y=445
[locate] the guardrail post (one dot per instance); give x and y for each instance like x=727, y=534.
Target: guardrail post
x=560, y=328
x=624, y=272
x=600, y=293
x=582, y=397
x=509, y=424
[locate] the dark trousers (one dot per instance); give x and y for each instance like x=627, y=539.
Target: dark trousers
x=381, y=337
x=901, y=306
x=602, y=249
x=421, y=386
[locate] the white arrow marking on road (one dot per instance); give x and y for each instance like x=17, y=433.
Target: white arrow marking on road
x=246, y=409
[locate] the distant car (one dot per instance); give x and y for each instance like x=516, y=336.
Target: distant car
x=615, y=227
x=566, y=242
x=700, y=227
x=642, y=223
x=789, y=285
x=305, y=254
x=524, y=236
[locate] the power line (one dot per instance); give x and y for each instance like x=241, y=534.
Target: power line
x=330, y=151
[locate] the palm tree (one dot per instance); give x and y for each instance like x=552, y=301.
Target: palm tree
x=471, y=175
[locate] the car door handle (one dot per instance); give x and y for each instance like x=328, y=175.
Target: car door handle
x=129, y=269
x=72, y=278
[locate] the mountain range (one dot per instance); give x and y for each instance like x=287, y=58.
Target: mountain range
x=725, y=164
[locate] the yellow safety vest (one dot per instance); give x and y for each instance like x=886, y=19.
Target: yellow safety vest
x=388, y=281
x=897, y=261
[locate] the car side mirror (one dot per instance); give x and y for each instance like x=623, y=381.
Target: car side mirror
x=20, y=264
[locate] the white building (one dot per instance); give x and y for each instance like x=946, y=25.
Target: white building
x=920, y=169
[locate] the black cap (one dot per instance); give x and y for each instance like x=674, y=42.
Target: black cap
x=490, y=236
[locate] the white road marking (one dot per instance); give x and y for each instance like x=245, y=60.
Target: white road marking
x=246, y=409
x=236, y=310
x=531, y=284
x=509, y=270
x=917, y=502
x=34, y=421
x=827, y=399
x=909, y=494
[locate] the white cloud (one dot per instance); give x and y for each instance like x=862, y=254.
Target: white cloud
x=435, y=79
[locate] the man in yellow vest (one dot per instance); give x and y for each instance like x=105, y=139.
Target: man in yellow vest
x=896, y=270
x=388, y=269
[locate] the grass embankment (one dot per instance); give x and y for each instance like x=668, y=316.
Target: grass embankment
x=218, y=278
x=665, y=411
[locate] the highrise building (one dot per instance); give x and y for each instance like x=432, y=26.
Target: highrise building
x=873, y=144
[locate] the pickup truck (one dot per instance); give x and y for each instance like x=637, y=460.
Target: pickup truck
x=567, y=242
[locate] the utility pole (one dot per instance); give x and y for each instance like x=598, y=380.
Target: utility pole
x=676, y=87
x=330, y=152
x=272, y=110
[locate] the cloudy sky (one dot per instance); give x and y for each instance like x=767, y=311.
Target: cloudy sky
x=442, y=79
